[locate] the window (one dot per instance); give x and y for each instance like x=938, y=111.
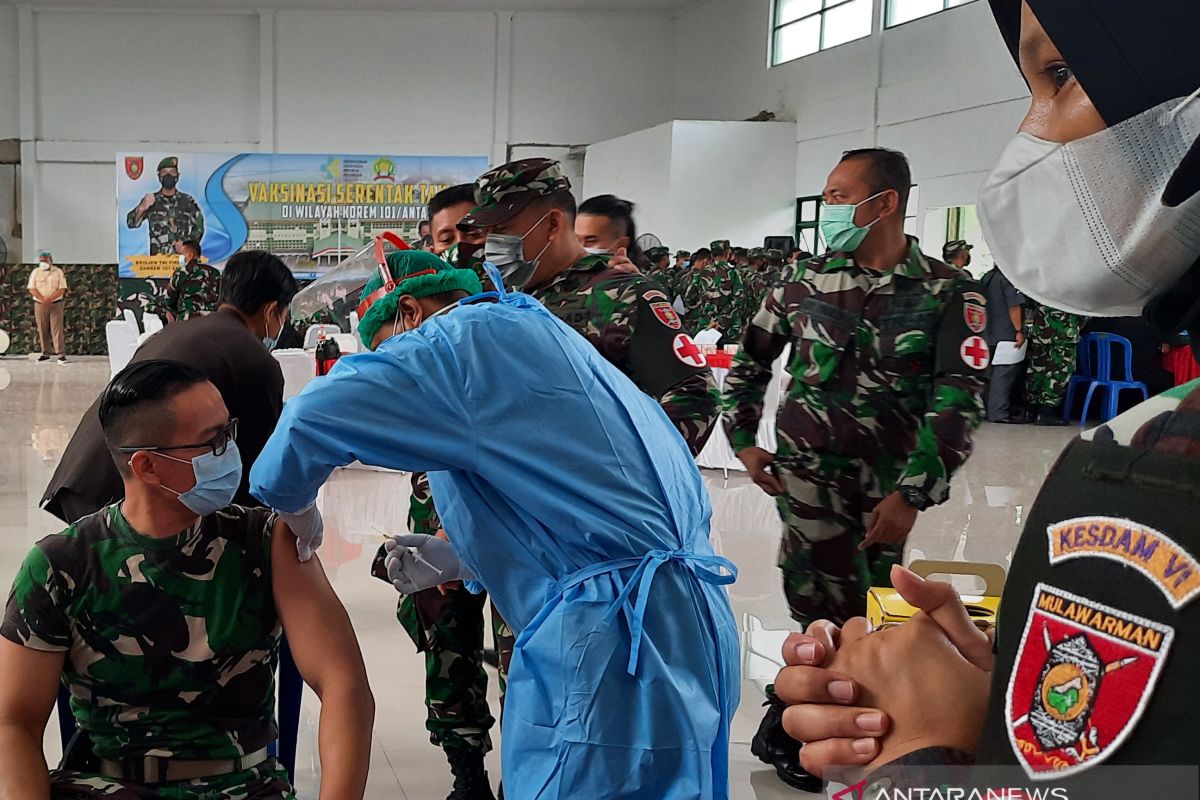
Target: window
x=808, y=214
x=901, y=11
x=802, y=27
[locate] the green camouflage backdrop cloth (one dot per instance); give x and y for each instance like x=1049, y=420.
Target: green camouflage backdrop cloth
x=90, y=303
x=887, y=372
x=171, y=644
x=1053, y=339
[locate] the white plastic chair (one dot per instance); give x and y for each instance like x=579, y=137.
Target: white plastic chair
x=315, y=332
x=131, y=319
x=122, y=343
x=153, y=323
x=347, y=343
x=354, y=322
x=298, y=370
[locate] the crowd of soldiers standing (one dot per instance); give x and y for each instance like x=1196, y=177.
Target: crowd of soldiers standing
x=720, y=286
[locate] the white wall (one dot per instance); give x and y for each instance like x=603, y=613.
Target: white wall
x=8, y=72
x=943, y=89
x=77, y=86
x=694, y=181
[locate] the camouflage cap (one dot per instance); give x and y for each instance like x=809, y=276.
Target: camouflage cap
x=683, y=254
x=170, y=162
x=655, y=253
x=503, y=192
x=950, y=248
x=719, y=245
x=772, y=252
x=757, y=252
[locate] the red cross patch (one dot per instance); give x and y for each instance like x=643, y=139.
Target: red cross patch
x=975, y=353
x=687, y=351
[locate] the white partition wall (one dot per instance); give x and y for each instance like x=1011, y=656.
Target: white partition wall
x=694, y=181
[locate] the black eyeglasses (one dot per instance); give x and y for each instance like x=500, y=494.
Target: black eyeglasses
x=219, y=444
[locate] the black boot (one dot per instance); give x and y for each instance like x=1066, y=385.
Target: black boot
x=470, y=776
x=773, y=746
x=1047, y=416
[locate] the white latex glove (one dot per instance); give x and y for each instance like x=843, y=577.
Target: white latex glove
x=308, y=528
x=415, y=561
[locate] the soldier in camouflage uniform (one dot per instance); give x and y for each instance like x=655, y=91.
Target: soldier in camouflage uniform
x=195, y=287
x=886, y=378
x=627, y=316
x=1053, y=338
x=174, y=216
x=713, y=295
x=169, y=642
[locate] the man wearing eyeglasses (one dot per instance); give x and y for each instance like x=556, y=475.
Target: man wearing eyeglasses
x=231, y=347
x=163, y=614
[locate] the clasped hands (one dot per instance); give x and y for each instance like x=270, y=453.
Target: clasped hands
x=858, y=698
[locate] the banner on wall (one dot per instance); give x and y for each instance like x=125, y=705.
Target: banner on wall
x=310, y=210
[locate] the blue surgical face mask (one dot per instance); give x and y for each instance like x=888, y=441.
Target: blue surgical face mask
x=838, y=229
x=507, y=252
x=217, y=480
x=270, y=341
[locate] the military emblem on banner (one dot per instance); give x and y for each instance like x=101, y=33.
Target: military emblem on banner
x=1083, y=676
x=667, y=315
x=134, y=166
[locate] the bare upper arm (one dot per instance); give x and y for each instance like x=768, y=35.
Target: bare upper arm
x=29, y=682
x=314, y=620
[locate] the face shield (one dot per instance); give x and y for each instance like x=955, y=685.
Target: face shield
x=341, y=286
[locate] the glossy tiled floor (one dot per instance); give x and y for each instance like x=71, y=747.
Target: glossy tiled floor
x=40, y=405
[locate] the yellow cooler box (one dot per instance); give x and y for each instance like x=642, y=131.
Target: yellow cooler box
x=886, y=606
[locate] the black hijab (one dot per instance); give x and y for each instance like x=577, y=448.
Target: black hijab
x=1129, y=56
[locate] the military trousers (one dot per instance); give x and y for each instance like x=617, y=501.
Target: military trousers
x=449, y=629
x=825, y=509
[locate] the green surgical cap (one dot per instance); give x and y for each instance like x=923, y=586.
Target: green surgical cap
x=417, y=274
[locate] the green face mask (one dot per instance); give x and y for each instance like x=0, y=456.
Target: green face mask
x=838, y=229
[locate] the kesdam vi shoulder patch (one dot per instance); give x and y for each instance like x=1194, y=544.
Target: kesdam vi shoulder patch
x=1083, y=676
x=975, y=353
x=1154, y=554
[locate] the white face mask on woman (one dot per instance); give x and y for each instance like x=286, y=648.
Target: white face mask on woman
x=1081, y=226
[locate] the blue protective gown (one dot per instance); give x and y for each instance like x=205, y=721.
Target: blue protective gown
x=576, y=504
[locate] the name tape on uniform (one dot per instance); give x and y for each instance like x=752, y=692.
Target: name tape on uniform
x=1154, y=554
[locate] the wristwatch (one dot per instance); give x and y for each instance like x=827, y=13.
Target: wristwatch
x=915, y=497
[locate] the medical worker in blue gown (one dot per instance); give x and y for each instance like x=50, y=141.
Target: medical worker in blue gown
x=567, y=494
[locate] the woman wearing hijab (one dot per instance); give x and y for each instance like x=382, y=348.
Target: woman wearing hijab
x=1093, y=208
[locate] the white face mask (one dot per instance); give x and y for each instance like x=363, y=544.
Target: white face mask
x=597, y=251
x=44, y=264
x=1081, y=226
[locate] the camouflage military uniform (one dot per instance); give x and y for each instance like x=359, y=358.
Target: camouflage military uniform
x=173, y=218
x=1053, y=338
x=631, y=322
x=887, y=373
x=194, y=290
x=713, y=297
x=449, y=630
x=170, y=645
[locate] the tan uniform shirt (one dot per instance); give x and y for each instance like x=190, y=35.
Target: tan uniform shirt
x=48, y=281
